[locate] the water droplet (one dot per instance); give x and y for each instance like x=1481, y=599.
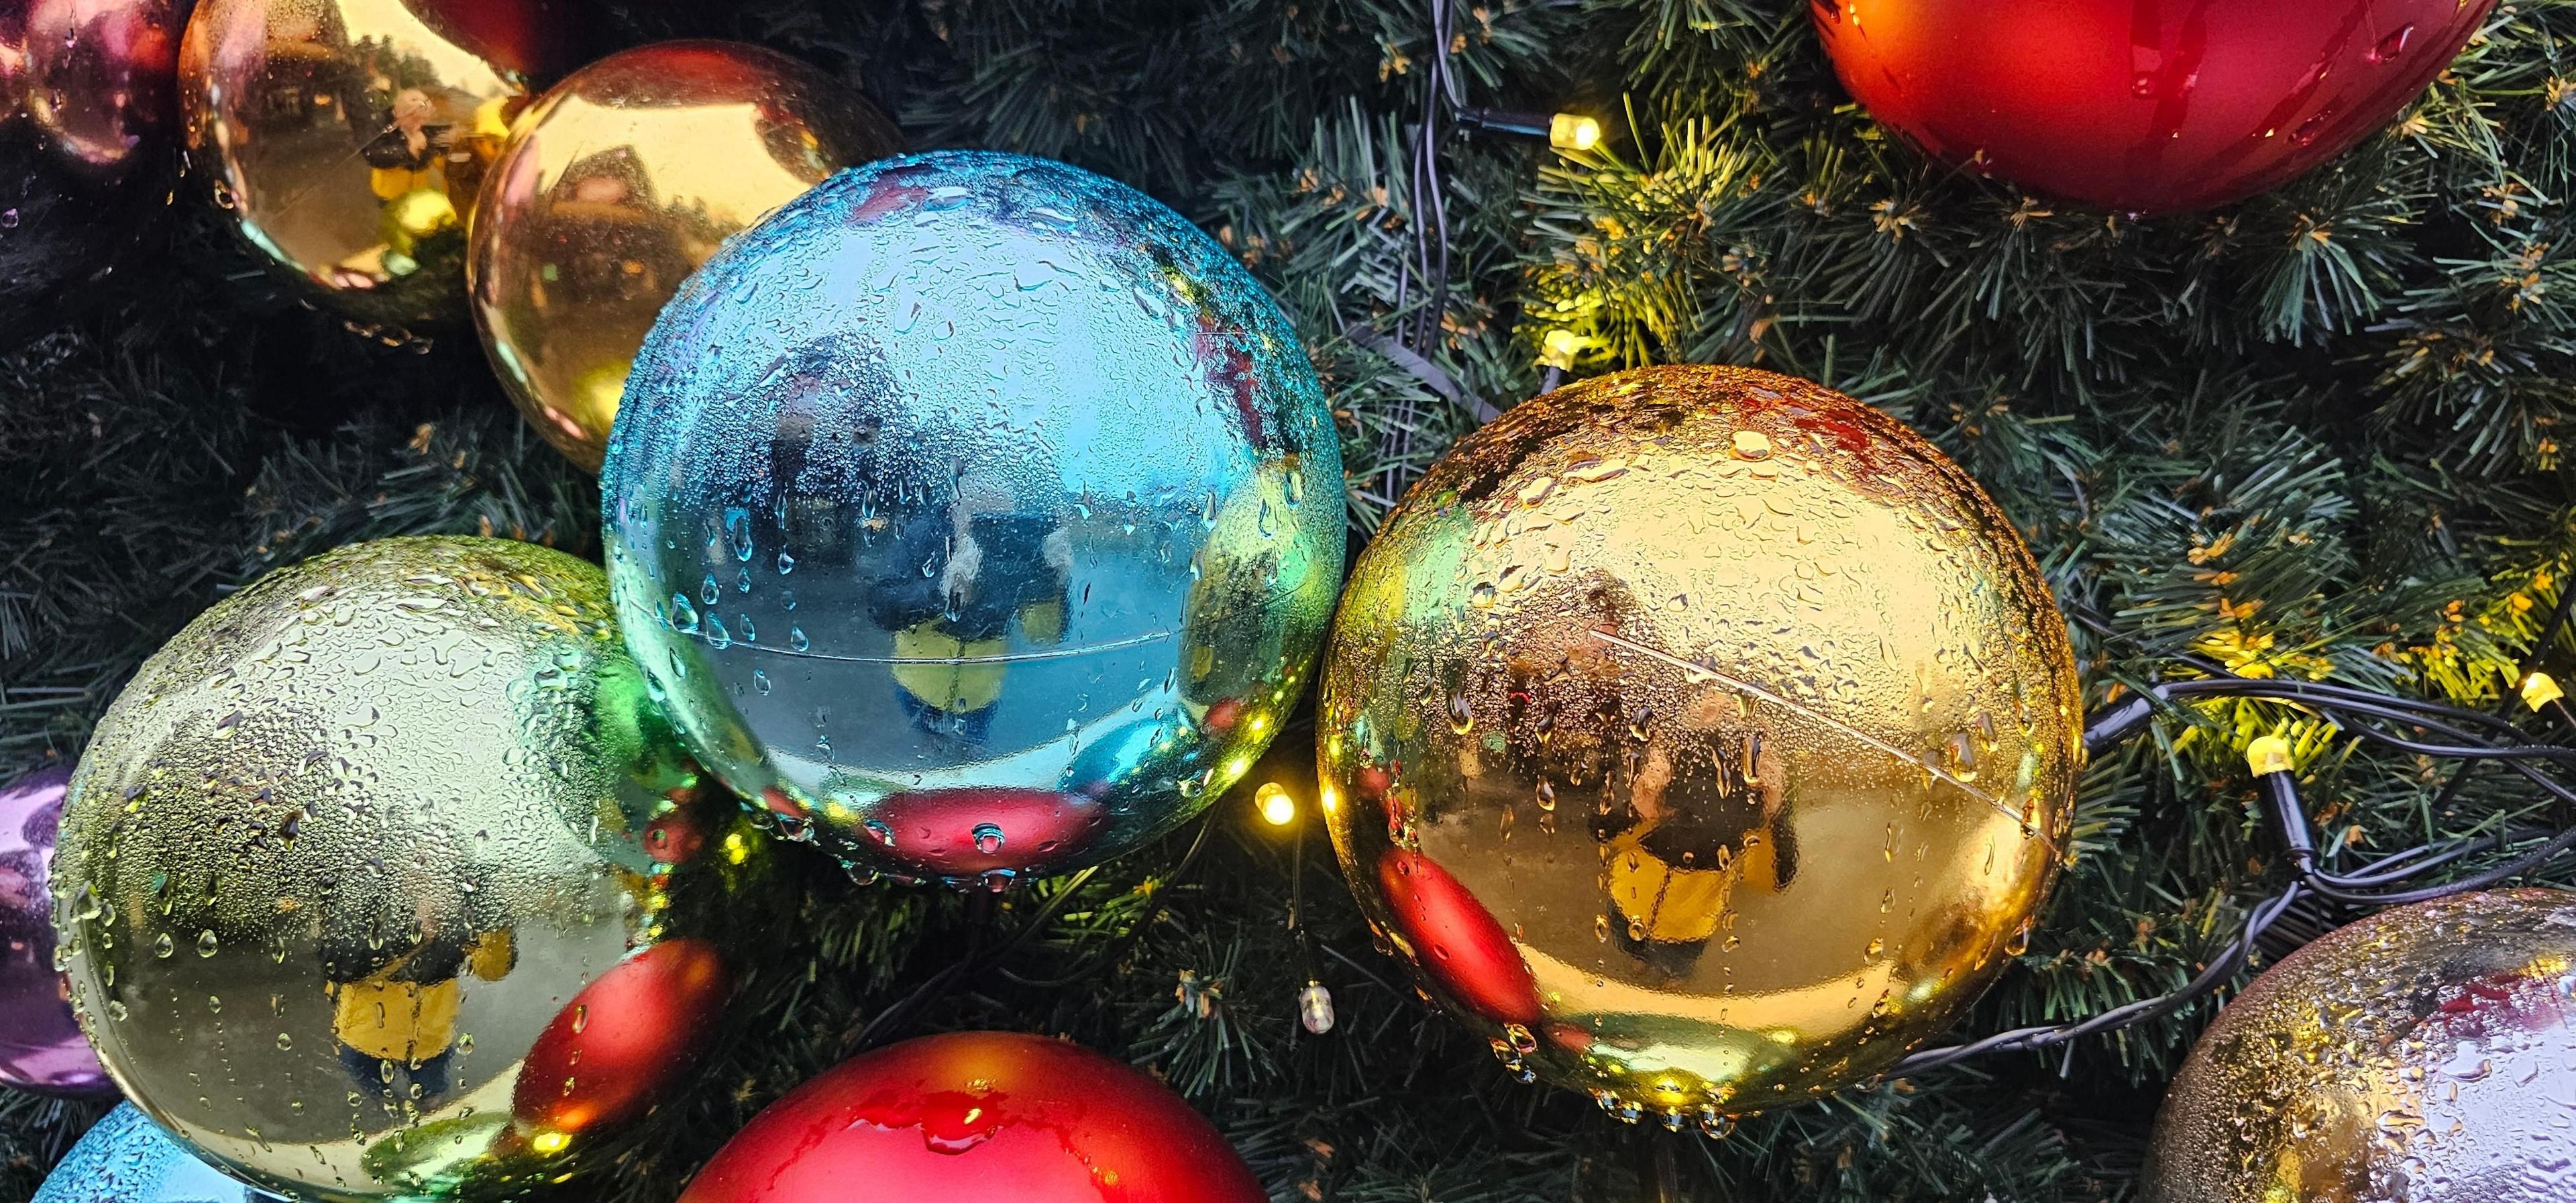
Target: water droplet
x=1482, y=596
x=760, y=682
x=683, y=617
x=786, y=563
x=1752, y=445
x=163, y=945
x=988, y=838
x=580, y=1017
x=206, y=943
x=1546, y=796
x=796, y=639
x=1462, y=714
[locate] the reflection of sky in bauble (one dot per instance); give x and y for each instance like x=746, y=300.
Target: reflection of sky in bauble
x=972, y=471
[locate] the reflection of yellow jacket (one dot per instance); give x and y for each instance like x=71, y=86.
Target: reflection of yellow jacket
x=1677, y=905
x=403, y=1021
x=959, y=676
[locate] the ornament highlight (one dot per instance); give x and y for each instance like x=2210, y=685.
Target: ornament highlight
x=349, y=137
x=384, y=880
x=982, y=1115
x=89, y=129
x=126, y=1158
x=2141, y=108
x=977, y=514
x=1702, y=737
x=41, y=1046
x=2424, y=1054
x=615, y=186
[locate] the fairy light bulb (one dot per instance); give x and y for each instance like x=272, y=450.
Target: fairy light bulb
x=1275, y=805
x=1315, y=1008
x=1557, y=348
x=1573, y=131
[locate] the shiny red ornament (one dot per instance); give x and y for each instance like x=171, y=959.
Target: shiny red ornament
x=978, y=1115
x=2141, y=106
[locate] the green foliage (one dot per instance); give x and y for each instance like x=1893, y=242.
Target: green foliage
x=2312, y=435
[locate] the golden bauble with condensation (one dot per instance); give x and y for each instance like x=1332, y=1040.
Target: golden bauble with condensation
x=615, y=186
x=2426, y=1054
x=1704, y=738
x=349, y=137
x=385, y=880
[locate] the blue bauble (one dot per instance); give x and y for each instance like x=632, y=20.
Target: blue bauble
x=976, y=514
x=126, y=1158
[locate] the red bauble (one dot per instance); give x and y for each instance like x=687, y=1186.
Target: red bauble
x=959, y=831
x=2141, y=106
x=1456, y=940
x=978, y=1115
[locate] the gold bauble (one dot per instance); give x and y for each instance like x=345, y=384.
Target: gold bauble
x=385, y=880
x=615, y=186
x=2427, y=1054
x=1703, y=738
x=349, y=137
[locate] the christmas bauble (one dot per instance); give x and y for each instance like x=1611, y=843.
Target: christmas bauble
x=977, y=514
x=126, y=1158
x=41, y=1047
x=616, y=185
x=349, y=137
x=1702, y=737
x=2427, y=1054
x=2141, y=108
x=89, y=128
x=983, y=1115
x=383, y=879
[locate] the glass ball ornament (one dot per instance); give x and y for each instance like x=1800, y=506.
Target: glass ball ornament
x=1702, y=738
x=126, y=1158
x=41, y=1046
x=976, y=514
x=2135, y=107
x=2425, y=1054
x=979, y=1115
x=383, y=879
x=89, y=134
x=350, y=138
x=615, y=185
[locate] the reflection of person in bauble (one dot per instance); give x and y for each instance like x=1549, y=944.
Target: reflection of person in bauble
x=394, y=1002
x=949, y=592
x=1691, y=804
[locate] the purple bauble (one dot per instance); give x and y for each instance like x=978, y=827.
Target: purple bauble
x=41, y=1046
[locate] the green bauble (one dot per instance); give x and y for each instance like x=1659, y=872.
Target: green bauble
x=384, y=879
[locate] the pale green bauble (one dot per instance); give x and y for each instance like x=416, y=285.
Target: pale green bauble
x=383, y=880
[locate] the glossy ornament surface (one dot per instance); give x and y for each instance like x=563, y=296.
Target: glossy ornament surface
x=126, y=1158
x=977, y=514
x=1703, y=738
x=2425, y=1054
x=41, y=1046
x=349, y=137
x=89, y=135
x=615, y=186
x=2136, y=107
x=978, y=1115
x=384, y=880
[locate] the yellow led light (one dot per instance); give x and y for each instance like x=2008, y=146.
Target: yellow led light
x=1276, y=806
x=1573, y=131
x=2540, y=689
x=2269, y=754
x=735, y=849
x=549, y=1142
x=1557, y=349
